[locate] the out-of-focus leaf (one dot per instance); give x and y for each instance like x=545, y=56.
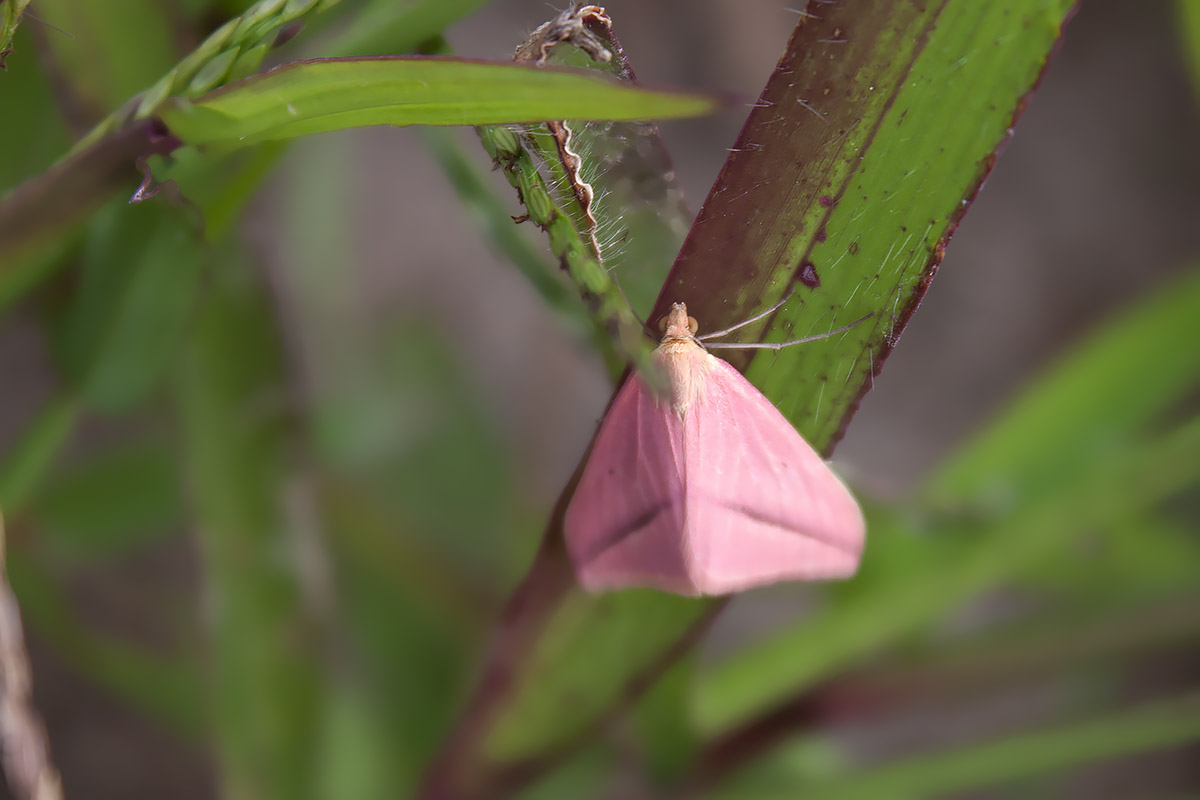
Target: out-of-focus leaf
x=1189, y=30
x=167, y=688
x=586, y=774
x=493, y=216
x=41, y=135
x=588, y=645
x=388, y=28
x=113, y=48
x=355, y=755
x=413, y=661
x=25, y=149
x=392, y=406
x=29, y=270
x=1125, y=558
x=442, y=440
x=332, y=94
x=980, y=766
x=24, y=466
x=141, y=272
x=232, y=402
x=1090, y=406
x=1075, y=640
x=118, y=499
x=664, y=725
x=416, y=506
x=371, y=537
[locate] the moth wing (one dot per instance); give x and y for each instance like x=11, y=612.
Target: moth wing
x=762, y=505
x=624, y=525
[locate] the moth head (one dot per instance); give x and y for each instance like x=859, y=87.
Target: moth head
x=677, y=324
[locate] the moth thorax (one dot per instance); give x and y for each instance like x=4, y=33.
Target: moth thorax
x=686, y=364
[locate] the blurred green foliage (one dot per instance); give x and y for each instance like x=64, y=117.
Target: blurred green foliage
x=358, y=528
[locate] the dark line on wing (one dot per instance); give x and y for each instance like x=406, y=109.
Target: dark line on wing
x=754, y=515
x=623, y=532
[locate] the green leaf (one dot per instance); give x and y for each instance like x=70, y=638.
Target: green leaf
x=25, y=149
x=1189, y=29
x=976, y=767
x=492, y=215
x=112, y=49
x=211, y=74
x=141, y=273
x=388, y=28
x=578, y=667
x=113, y=501
x=332, y=94
x=355, y=756
x=41, y=135
x=1090, y=406
x=414, y=657
x=664, y=727
x=1124, y=559
x=392, y=406
x=168, y=688
x=27, y=461
x=266, y=692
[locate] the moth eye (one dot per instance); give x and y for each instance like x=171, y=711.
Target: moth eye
x=693, y=326
x=662, y=325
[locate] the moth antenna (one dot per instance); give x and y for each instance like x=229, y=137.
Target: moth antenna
x=50, y=25
x=781, y=345
x=621, y=291
x=753, y=319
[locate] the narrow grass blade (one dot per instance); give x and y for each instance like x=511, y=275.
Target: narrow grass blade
x=1092, y=405
x=26, y=463
x=265, y=684
x=165, y=688
x=979, y=767
x=140, y=278
x=332, y=94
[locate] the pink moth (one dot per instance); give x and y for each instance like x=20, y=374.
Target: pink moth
x=707, y=491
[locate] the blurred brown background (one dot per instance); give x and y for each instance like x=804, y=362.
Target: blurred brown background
x=1094, y=201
